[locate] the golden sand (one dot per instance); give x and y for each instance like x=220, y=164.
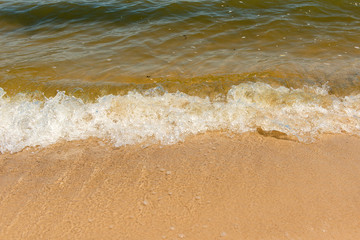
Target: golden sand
x=212, y=186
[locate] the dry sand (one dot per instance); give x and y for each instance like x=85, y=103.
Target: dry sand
x=212, y=186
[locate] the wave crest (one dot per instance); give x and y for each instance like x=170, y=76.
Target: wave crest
x=169, y=117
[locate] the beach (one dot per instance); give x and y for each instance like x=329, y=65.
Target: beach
x=216, y=185
x=206, y=119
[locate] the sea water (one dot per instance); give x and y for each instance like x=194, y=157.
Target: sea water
x=158, y=71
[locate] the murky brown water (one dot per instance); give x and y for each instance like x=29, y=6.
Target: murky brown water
x=100, y=47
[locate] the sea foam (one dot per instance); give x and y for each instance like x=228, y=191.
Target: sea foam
x=166, y=118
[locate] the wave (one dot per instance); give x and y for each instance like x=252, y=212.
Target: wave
x=166, y=118
x=118, y=13
x=29, y=13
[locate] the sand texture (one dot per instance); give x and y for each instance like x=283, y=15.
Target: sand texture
x=212, y=186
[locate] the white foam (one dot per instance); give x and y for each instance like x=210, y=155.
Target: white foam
x=169, y=117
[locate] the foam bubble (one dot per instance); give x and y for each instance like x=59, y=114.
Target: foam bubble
x=167, y=118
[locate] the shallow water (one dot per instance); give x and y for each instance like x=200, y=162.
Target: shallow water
x=95, y=50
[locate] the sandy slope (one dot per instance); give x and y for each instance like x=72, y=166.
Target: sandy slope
x=212, y=186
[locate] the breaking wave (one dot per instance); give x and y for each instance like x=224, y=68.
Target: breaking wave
x=162, y=117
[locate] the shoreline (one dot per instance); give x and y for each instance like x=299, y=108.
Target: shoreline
x=211, y=186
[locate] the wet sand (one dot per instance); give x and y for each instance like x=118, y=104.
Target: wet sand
x=212, y=186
